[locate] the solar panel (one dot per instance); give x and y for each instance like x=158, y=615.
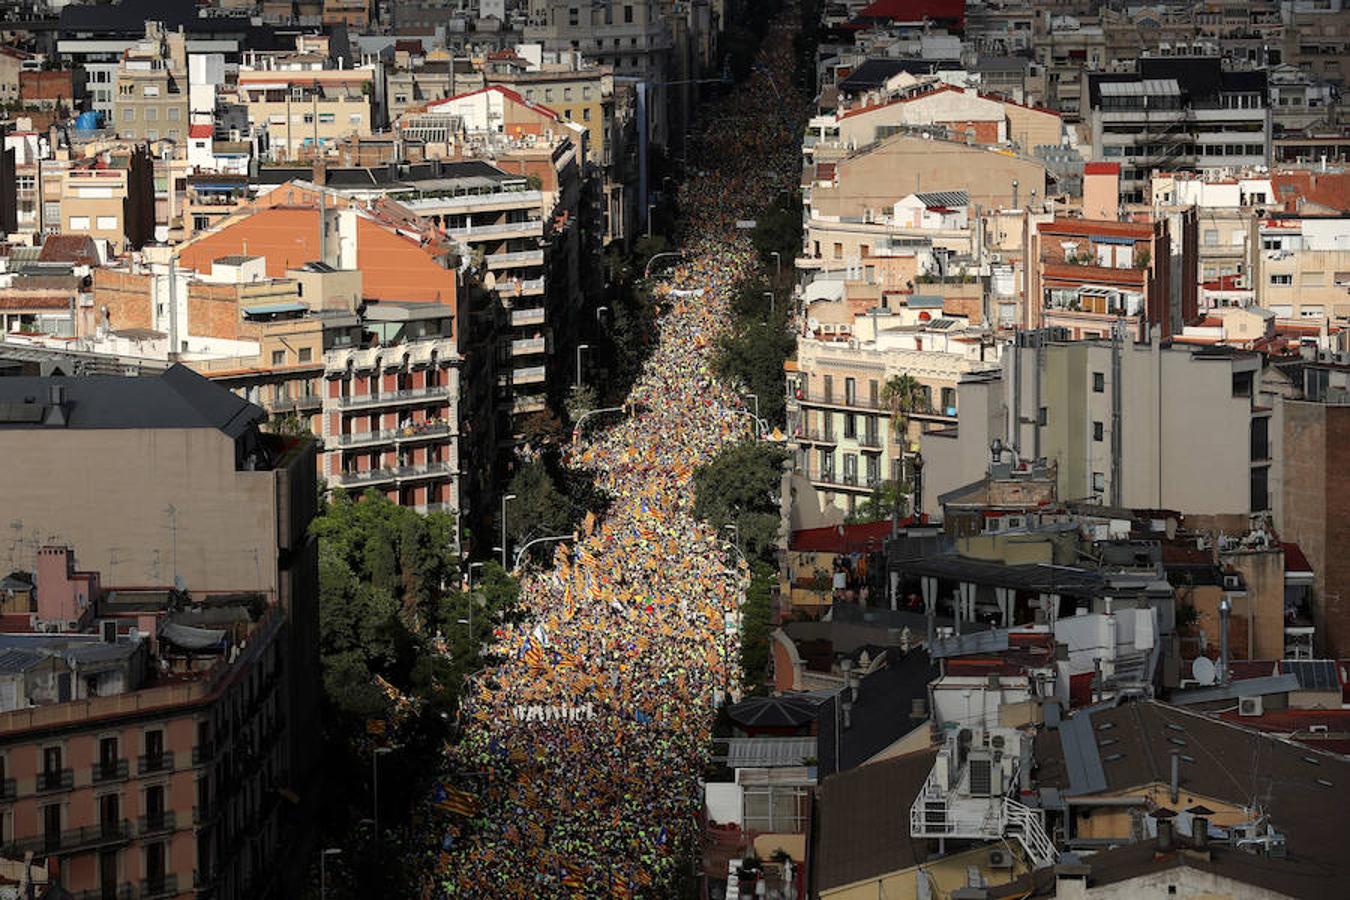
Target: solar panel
x=1314, y=674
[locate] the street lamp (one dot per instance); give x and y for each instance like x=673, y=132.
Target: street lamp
x=505, y=498
x=375, y=785
x=754, y=397
x=777, y=263
x=598, y=310
x=650, y=207
x=323, y=868
x=472, y=566
x=580, y=347
x=735, y=530
x=769, y=294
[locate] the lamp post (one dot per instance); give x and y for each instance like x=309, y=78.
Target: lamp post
x=777, y=263
x=650, y=207
x=772, y=306
x=505, y=499
x=375, y=785
x=323, y=868
x=647, y=270
x=754, y=397
x=598, y=310
x=580, y=347
x=472, y=566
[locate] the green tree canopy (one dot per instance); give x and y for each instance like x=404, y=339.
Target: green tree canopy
x=742, y=487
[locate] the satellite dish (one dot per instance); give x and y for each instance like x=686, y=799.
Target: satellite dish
x=1202, y=670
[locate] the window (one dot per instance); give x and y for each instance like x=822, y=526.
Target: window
x=850, y=391
x=1042, y=416
x=1242, y=384
x=106, y=223
x=151, y=90
x=154, y=749
x=1098, y=382
x=306, y=354
x=1099, y=482
x=79, y=223
x=1211, y=237
x=948, y=401
x=829, y=388
x=838, y=250
x=1260, y=438
x=151, y=114
x=1098, y=431
x=850, y=426
x=1281, y=280
x=327, y=118
x=628, y=14
x=573, y=18
x=128, y=115
x=586, y=114
x=309, y=118
x=51, y=825
x=354, y=119
x=278, y=357
x=1260, y=488
x=172, y=113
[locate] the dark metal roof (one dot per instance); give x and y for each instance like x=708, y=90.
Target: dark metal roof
x=179, y=398
x=1037, y=577
x=879, y=717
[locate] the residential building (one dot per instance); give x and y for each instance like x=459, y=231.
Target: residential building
x=162, y=762
x=1091, y=408
x=391, y=405
x=1178, y=113
x=848, y=443
x=1092, y=275
x=1302, y=267
x=110, y=197
x=1316, y=416
x=150, y=99
x=306, y=111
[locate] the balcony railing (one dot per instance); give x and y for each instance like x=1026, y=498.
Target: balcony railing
x=520, y=287
x=389, y=398
x=528, y=346
x=160, y=762
x=8, y=789
x=72, y=839
x=835, y=398
x=523, y=405
x=58, y=780
x=399, y=473
x=165, y=821
x=203, y=753
x=295, y=404
x=113, y=770
x=531, y=375
x=531, y=228
x=535, y=316
x=857, y=480
x=518, y=258
x=112, y=892
x=874, y=441
x=418, y=432
x=166, y=886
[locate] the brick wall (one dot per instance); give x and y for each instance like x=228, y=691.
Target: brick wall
x=126, y=298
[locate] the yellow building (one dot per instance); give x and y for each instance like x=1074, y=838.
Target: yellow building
x=309, y=110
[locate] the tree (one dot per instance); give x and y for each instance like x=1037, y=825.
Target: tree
x=902, y=395
x=742, y=487
x=779, y=229
x=753, y=352
x=539, y=508
x=886, y=497
x=581, y=399
x=757, y=625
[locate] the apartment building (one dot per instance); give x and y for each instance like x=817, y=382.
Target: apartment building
x=158, y=736
x=1178, y=113
x=632, y=39
x=150, y=99
x=391, y=405
x=1092, y=409
x=563, y=82
x=847, y=442
x=1316, y=421
x=1302, y=267
x=307, y=111
x=109, y=197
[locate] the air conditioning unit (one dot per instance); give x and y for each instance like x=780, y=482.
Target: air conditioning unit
x=1250, y=706
x=1000, y=858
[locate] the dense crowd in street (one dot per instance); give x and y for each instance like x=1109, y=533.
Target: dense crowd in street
x=583, y=750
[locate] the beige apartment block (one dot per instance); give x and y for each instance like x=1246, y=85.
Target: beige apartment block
x=305, y=112
x=1301, y=269
x=150, y=98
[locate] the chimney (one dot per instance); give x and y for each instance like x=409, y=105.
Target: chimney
x=1176, y=776
x=1200, y=831
x=1225, y=611
x=1014, y=194
x=1101, y=191
x=319, y=173
x=1165, y=841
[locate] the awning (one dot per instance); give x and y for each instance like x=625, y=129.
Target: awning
x=190, y=638
x=273, y=309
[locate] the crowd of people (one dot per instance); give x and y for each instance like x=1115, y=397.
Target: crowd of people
x=583, y=750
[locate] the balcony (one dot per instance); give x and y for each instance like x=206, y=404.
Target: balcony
x=531, y=375
x=394, y=398
x=203, y=754
x=166, y=821
x=166, y=886
x=71, y=840
x=113, y=892
x=112, y=770
x=205, y=815
x=8, y=789
x=58, y=780
x=871, y=441
x=520, y=287
x=524, y=405
x=515, y=260
x=393, y=475
x=312, y=403
x=812, y=436
x=521, y=317
x=419, y=432
x=156, y=762
x=821, y=398
x=527, y=229
x=842, y=480
x=528, y=346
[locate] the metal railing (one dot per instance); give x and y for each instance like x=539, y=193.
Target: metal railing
x=527, y=228
x=166, y=886
x=391, y=435
x=516, y=258
x=165, y=821
x=203, y=753
x=528, y=346
x=8, y=789
x=519, y=286
x=57, y=780
x=532, y=316
x=385, y=398
x=71, y=839
x=155, y=762
x=111, y=892
x=112, y=770
x=397, y=473
x=529, y=375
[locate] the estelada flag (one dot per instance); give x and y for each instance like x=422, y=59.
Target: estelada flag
x=619, y=888
x=453, y=800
